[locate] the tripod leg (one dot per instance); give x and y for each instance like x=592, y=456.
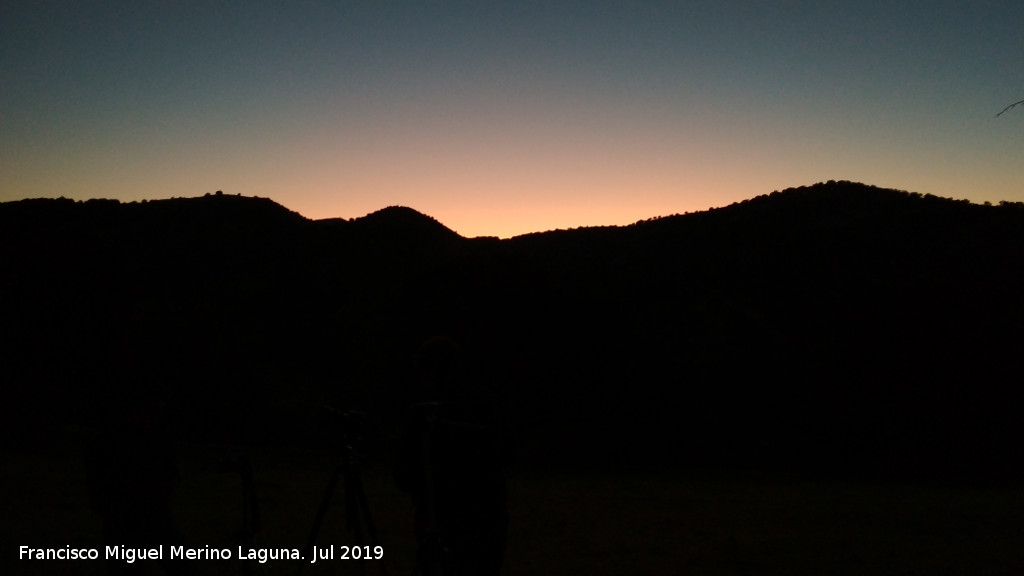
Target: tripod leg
x=358, y=508
x=250, y=513
x=352, y=511
x=325, y=503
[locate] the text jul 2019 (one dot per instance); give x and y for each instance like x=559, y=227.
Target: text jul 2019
x=262, y=555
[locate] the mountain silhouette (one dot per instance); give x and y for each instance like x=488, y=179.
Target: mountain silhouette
x=835, y=326
x=403, y=222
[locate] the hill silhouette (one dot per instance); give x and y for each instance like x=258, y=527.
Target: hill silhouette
x=397, y=222
x=836, y=326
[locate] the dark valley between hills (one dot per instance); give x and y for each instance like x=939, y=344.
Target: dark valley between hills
x=837, y=328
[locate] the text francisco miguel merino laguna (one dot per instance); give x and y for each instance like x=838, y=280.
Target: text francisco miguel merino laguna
x=130, y=555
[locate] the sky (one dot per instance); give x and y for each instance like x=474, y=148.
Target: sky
x=501, y=118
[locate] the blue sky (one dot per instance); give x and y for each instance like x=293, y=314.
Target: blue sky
x=502, y=118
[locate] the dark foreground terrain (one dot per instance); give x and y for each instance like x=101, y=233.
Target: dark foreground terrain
x=564, y=522
x=820, y=380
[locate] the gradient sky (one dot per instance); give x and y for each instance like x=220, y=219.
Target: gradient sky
x=501, y=118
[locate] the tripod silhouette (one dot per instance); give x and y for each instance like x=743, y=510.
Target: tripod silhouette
x=250, y=510
x=357, y=509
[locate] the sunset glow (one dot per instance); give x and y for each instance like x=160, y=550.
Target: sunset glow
x=511, y=118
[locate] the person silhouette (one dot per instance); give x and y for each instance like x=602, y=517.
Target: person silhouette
x=452, y=460
x=132, y=473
